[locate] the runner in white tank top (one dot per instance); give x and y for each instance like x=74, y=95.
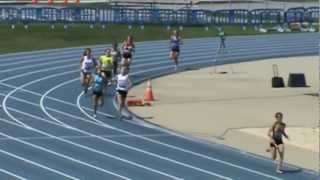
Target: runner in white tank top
x=123, y=82
x=123, y=86
x=87, y=65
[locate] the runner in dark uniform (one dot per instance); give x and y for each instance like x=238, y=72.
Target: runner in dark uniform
x=276, y=133
x=175, y=42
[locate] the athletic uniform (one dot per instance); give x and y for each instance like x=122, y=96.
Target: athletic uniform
x=87, y=65
x=106, y=63
x=97, y=88
x=277, y=137
x=123, y=85
x=175, y=44
x=127, y=50
x=127, y=55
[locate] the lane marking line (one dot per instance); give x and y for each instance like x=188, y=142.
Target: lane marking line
x=12, y=174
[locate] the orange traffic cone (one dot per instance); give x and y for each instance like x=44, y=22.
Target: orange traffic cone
x=148, y=96
x=77, y=2
x=135, y=102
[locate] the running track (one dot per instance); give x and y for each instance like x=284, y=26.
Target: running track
x=47, y=133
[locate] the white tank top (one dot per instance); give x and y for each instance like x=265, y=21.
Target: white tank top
x=87, y=64
x=123, y=82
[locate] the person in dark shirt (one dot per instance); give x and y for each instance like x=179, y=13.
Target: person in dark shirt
x=276, y=133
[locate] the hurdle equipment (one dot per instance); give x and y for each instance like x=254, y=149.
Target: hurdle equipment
x=276, y=81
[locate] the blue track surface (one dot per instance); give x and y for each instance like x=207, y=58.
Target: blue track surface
x=47, y=133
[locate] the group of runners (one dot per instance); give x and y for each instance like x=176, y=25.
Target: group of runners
x=113, y=67
x=110, y=68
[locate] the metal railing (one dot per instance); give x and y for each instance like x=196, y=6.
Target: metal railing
x=120, y=15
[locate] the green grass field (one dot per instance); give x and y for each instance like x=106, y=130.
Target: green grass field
x=38, y=37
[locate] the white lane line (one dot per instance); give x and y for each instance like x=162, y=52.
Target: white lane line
x=141, y=65
x=12, y=174
x=134, y=66
x=146, y=152
x=63, y=156
x=184, y=150
x=21, y=87
x=24, y=74
x=265, y=46
x=52, y=98
x=4, y=106
x=232, y=39
x=113, y=142
x=231, y=45
x=35, y=65
x=86, y=147
x=136, y=57
x=4, y=102
x=55, y=110
x=165, y=67
x=52, y=89
x=76, y=71
x=79, y=130
x=38, y=71
x=269, y=37
x=39, y=57
x=177, y=148
x=120, y=144
x=37, y=164
x=49, y=115
x=87, y=137
x=235, y=166
x=62, y=67
x=93, y=150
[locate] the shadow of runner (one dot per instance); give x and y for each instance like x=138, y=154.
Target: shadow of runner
x=291, y=170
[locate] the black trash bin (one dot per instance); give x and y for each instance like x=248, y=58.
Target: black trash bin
x=277, y=82
x=297, y=80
